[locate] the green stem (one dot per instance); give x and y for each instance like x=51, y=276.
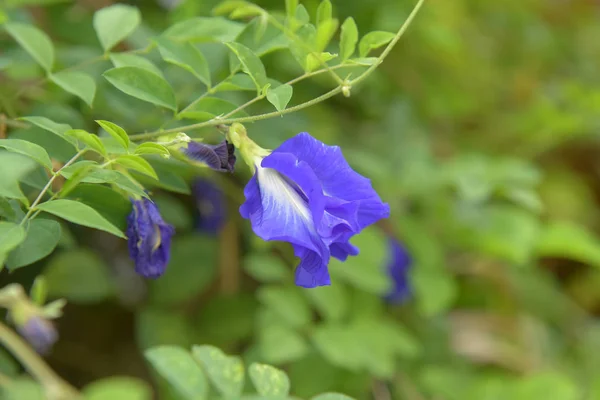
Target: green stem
x=56, y=388
x=48, y=185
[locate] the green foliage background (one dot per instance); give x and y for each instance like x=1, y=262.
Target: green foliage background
x=481, y=131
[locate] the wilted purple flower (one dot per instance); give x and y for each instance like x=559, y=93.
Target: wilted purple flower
x=397, y=269
x=220, y=157
x=149, y=239
x=305, y=193
x=39, y=332
x=210, y=204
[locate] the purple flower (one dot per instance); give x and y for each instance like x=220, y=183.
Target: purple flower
x=397, y=269
x=305, y=193
x=40, y=333
x=211, y=206
x=220, y=157
x=149, y=239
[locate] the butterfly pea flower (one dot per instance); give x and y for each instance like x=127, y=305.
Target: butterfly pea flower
x=210, y=204
x=220, y=157
x=149, y=238
x=397, y=269
x=305, y=193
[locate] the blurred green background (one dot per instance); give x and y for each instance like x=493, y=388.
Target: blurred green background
x=481, y=132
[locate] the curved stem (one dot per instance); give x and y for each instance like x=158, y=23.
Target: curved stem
x=55, y=386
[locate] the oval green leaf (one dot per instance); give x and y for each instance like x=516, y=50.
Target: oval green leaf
x=79, y=213
x=132, y=60
x=178, y=367
x=42, y=237
x=117, y=388
x=142, y=84
x=280, y=96
x=115, y=23
x=34, y=41
x=116, y=132
x=225, y=372
x=28, y=149
x=137, y=163
x=251, y=64
x=11, y=235
x=77, y=83
x=348, y=39
x=92, y=141
x=373, y=40
x=186, y=56
x=269, y=381
x=152, y=148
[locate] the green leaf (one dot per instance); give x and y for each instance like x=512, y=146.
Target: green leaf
x=268, y=380
x=34, y=41
x=11, y=235
x=14, y=167
x=266, y=268
x=234, y=83
x=547, y=385
x=288, y=302
x=211, y=107
x=90, y=140
x=77, y=83
x=142, y=84
x=49, y=125
x=39, y=289
x=186, y=56
x=152, y=148
x=569, y=240
x=118, y=388
x=178, y=367
x=436, y=290
x=373, y=40
x=226, y=373
x=332, y=396
x=115, y=23
x=116, y=132
x=192, y=268
x=132, y=60
x=204, y=29
x=22, y=388
x=79, y=213
x=348, y=39
x=324, y=12
x=238, y=9
x=314, y=61
x=337, y=344
x=42, y=237
x=366, y=271
x=330, y=301
x=136, y=163
x=280, y=96
x=251, y=64
x=28, y=149
x=281, y=344
x=290, y=8
x=80, y=276
x=111, y=204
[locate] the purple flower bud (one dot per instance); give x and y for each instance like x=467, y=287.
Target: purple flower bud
x=305, y=193
x=149, y=239
x=40, y=333
x=397, y=268
x=211, y=206
x=220, y=157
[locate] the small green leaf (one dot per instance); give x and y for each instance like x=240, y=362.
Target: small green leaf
x=332, y=396
x=234, y=83
x=226, y=373
x=288, y=302
x=39, y=289
x=281, y=344
x=436, y=290
x=116, y=132
x=77, y=83
x=251, y=64
x=14, y=167
x=34, y=41
x=109, y=203
x=79, y=213
x=92, y=141
x=211, y=107
x=79, y=276
x=325, y=32
x=348, y=39
x=48, y=124
x=118, y=388
x=373, y=40
x=569, y=240
x=266, y=268
x=152, y=148
x=11, y=235
x=42, y=237
x=203, y=29
x=330, y=301
x=115, y=23
x=280, y=96
x=186, y=56
x=23, y=388
x=238, y=9
x=324, y=12
x=136, y=163
x=142, y=84
x=178, y=367
x=28, y=149
x=132, y=60
x=313, y=61
x=269, y=381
